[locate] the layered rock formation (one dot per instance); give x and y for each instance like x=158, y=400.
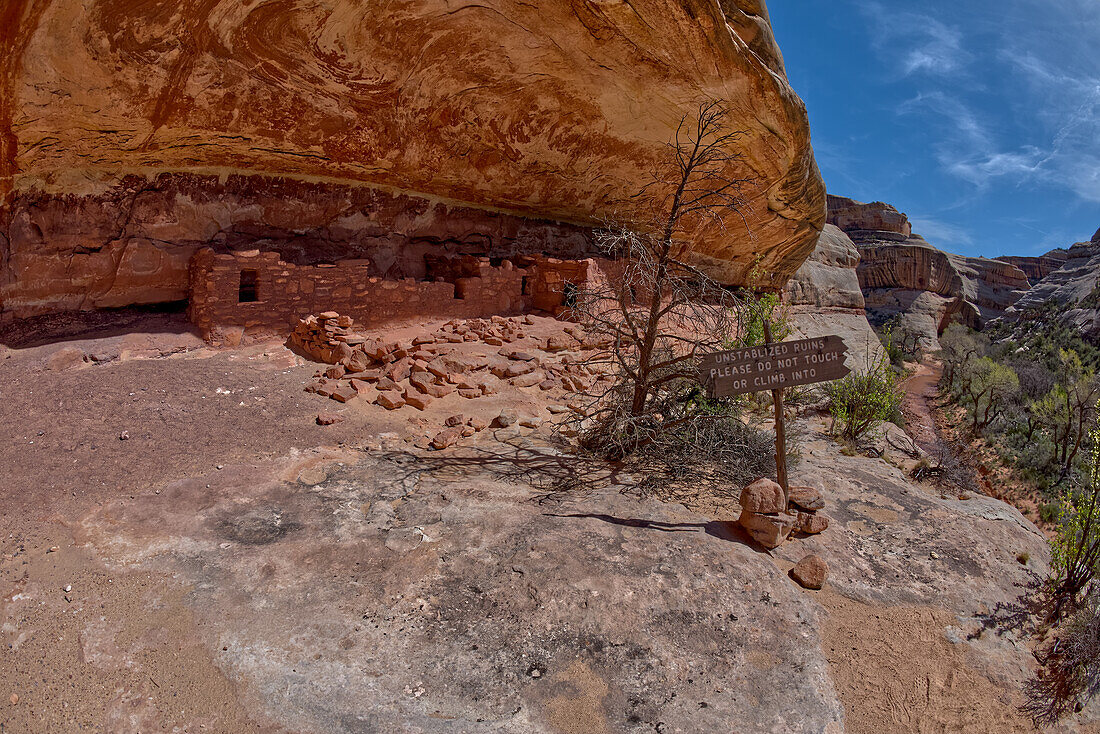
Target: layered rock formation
x=903, y=276
x=1072, y=291
x=132, y=133
x=1037, y=268
x=825, y=298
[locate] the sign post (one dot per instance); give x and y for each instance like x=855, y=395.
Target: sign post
x=780, y=430
x=774, y=366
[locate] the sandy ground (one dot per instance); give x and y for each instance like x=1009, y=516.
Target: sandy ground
x=123, y=650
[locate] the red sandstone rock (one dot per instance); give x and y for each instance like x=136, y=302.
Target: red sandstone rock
x=455, y=420
x=358, y=361
x=438, y=368
x=327, y=419
x=478, y=424
x=807, y=498
x=517, y=368
x=558, y=343
x=417, y=400
x=811, y=523
x=446, y=438
x=528, y=380
x=67, y=358
x=762, y=496
x=811, y=572
x=769, y=530
x=422, y=381
x=390, y=400
x=345, y=393
x=440, y=390
x=335, y=372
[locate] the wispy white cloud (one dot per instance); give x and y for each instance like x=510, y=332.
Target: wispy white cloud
x=941, y=233
x=916, y=42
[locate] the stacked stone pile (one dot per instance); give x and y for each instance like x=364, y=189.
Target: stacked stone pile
x=470, y=358
x=765, y=516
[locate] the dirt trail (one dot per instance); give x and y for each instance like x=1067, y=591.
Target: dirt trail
x=920, y=424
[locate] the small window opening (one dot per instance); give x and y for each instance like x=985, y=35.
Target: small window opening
x=569, y=294
x=250, y=287
x=524, y=287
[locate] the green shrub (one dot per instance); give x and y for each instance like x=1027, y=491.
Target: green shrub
x=1049, y=511
x=863, y=400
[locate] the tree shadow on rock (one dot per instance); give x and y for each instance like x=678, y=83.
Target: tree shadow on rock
x=721, y=529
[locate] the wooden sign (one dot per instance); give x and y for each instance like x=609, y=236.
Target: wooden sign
x=773, y=366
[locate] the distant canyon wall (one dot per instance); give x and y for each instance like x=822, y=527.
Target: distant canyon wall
x=824, y=298
x=132, y=133
x=904, y=277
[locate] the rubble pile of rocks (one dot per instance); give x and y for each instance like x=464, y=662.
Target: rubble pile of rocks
x=471, y=358
x=767, y=518
x=325, y=337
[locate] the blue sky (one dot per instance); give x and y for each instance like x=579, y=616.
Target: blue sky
x=980, y=119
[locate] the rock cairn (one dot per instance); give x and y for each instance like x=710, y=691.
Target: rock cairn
x=421, y=370
x=769, y=522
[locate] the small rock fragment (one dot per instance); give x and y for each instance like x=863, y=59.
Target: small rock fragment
x=505, y=419
x=417, y=400
x=390, y=399
x=810, y=572
x=327, y=419
x=345, y=393
x=446, y=438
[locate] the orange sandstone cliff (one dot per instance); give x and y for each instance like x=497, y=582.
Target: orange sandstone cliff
x=134, y=133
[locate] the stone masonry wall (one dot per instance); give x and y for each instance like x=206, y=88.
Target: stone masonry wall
x=461, y=287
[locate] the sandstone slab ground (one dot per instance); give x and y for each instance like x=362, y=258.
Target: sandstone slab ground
x=232, y=566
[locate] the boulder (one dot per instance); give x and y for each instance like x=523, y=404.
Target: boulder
x=762, y=496
x=806, y=498
x=825, y=298
x=769, y=530
x=810, y=572
x=811, y=523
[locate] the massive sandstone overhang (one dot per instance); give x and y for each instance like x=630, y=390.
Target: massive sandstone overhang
x=552, y=111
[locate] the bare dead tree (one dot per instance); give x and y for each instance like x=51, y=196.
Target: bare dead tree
x=654, y=312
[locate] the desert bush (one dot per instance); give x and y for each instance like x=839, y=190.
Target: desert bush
x=1069, y=672
x=899, y=342
x=1075, y=550
x=862, y=400
x=722, y=447
x=1049, y=511
x=987, y=389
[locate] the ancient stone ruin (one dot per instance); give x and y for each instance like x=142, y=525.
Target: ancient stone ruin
x=254, y=291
